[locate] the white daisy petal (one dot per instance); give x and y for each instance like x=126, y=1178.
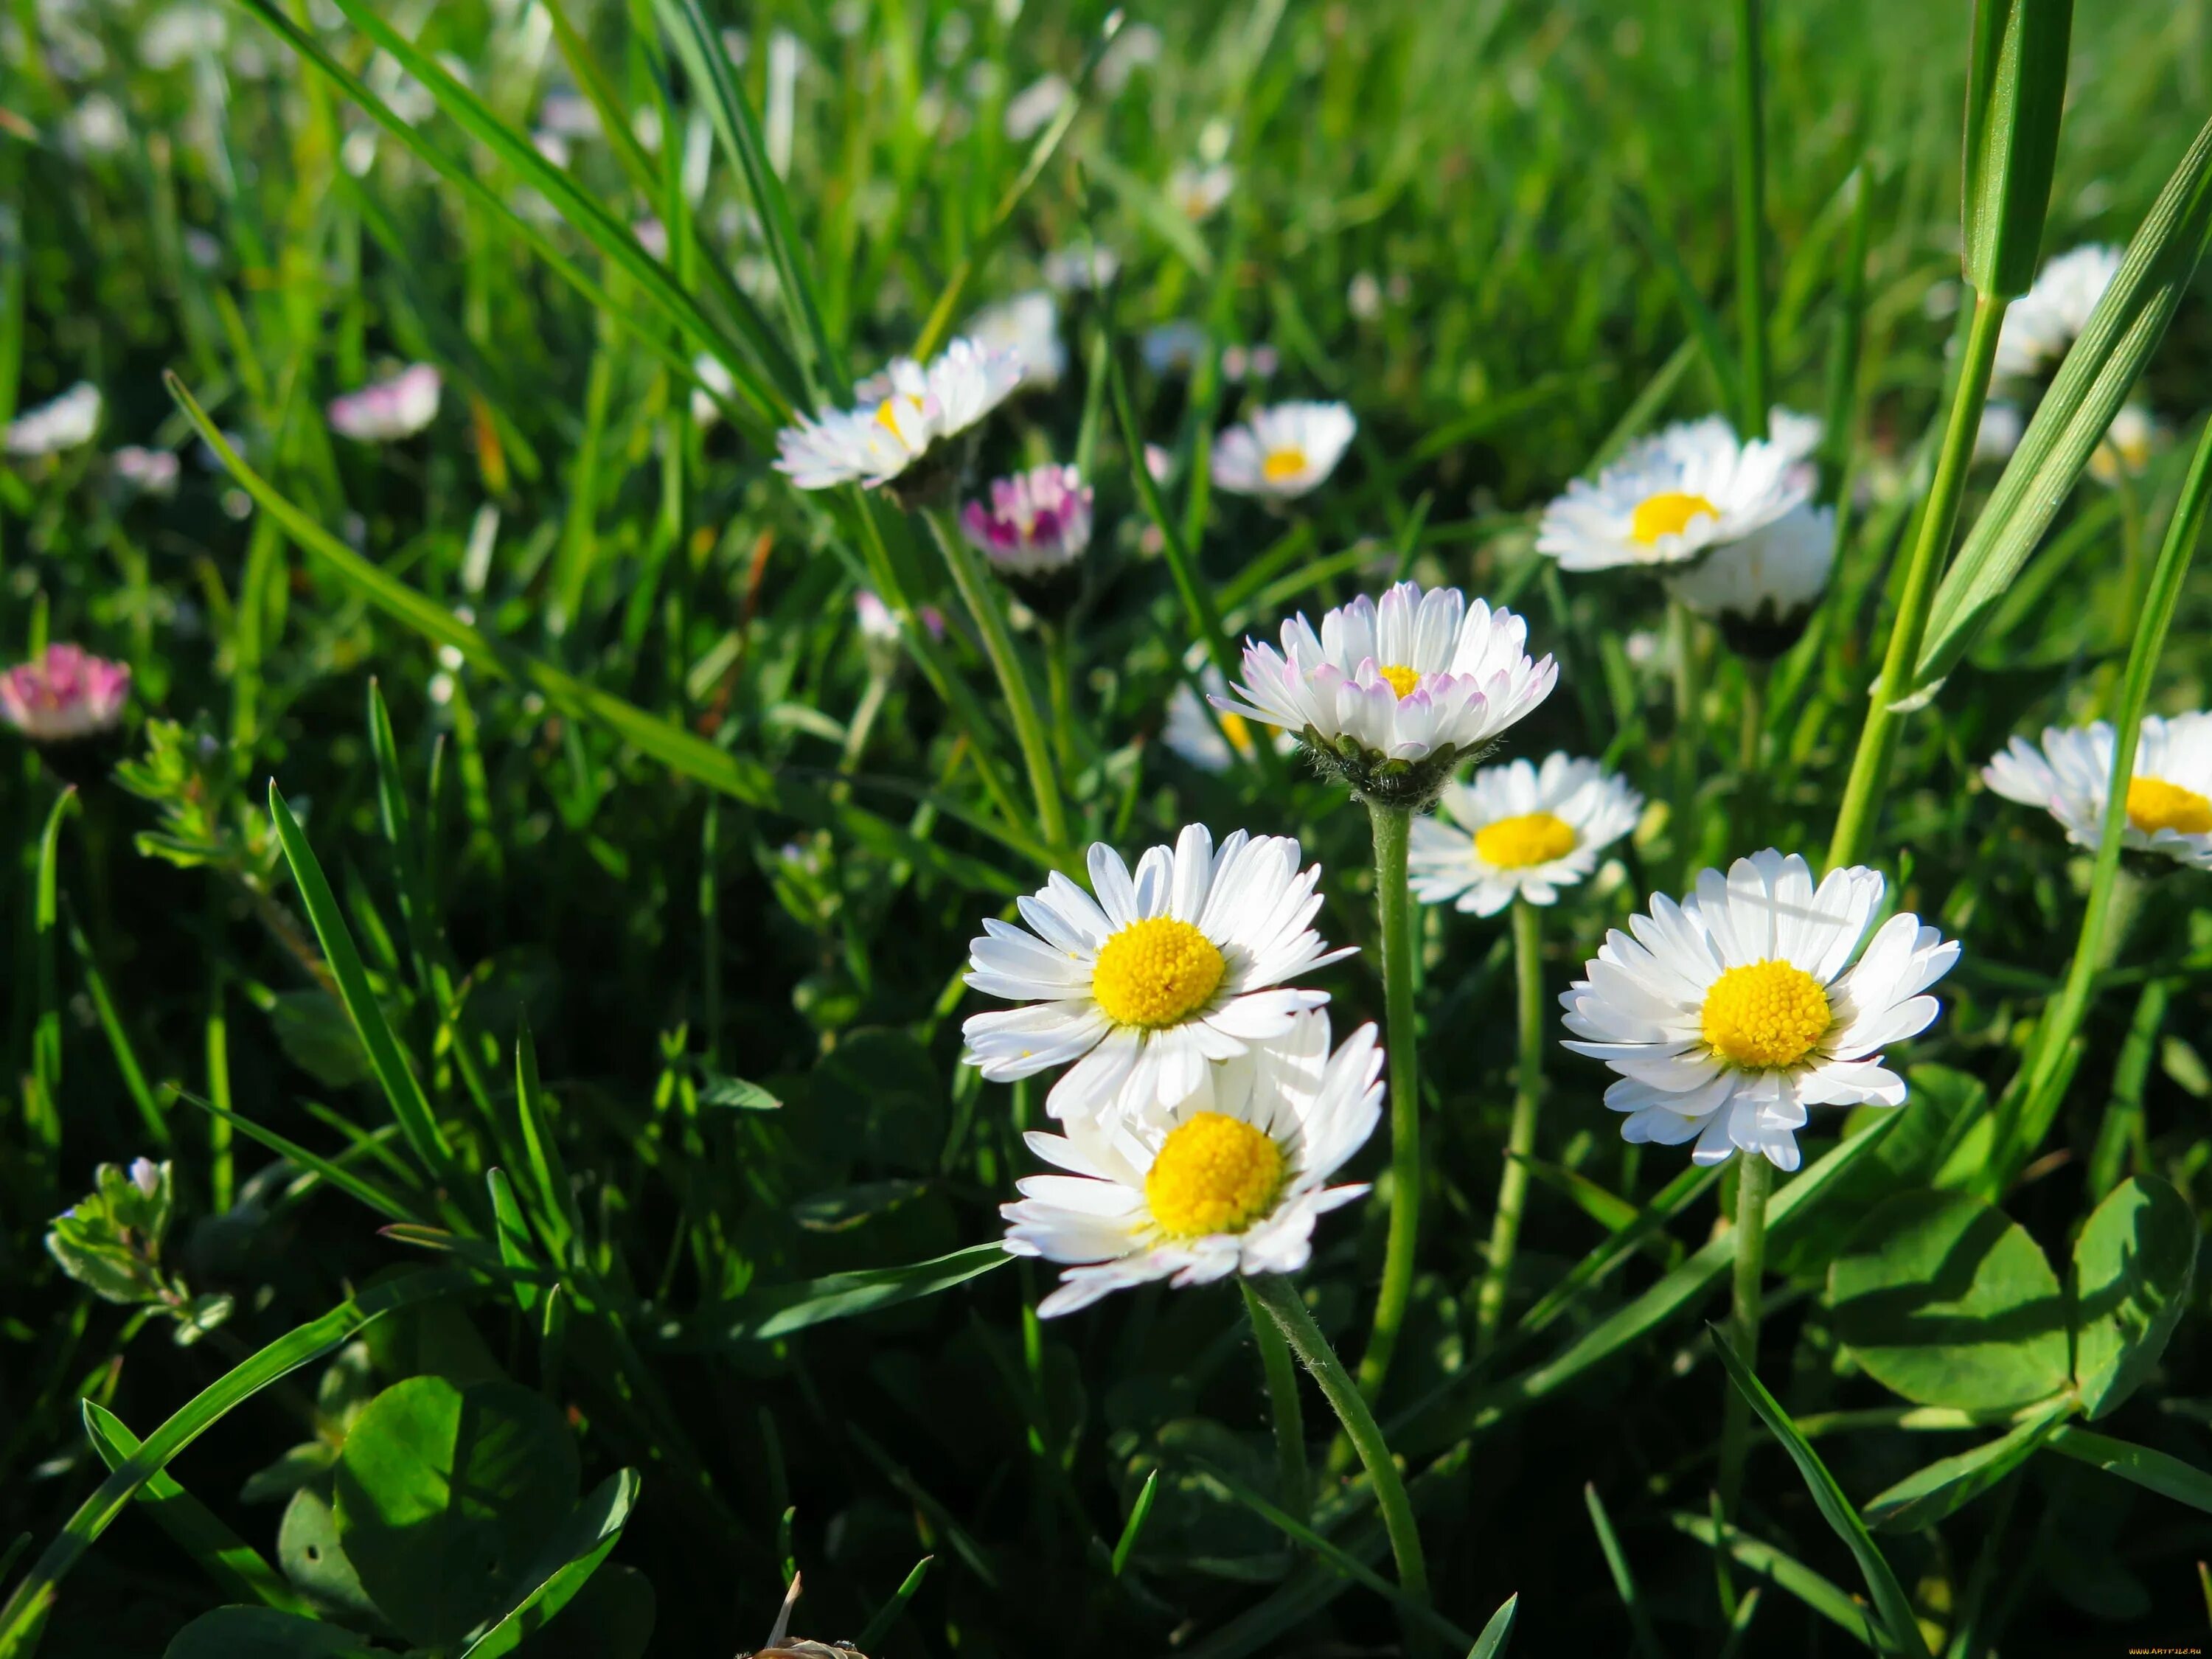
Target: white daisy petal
x=2169, y=804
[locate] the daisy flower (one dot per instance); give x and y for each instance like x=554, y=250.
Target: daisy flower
x=1728, y=1014
x=1761, y=589
x=1671, y=497
x=1037, y=524
x=1191, y=731
x=1183, y=963
x=1284, y=450
x=2125, y=449
x=2169, y=796
x=715, y=384
x=66, y=694
x=1389, y=697
x=1027, y=326
x=907, y=415
x=1230, y=1179
x=1197, y=193
x=1519, y=831
x=64, y=423
x=388, y=411
x=2043, y=322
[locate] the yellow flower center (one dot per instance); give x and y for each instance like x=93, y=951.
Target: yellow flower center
x=1769, y=1014
x=2154, y=804
x=1668, y=514
x=1239, y=734
x=1402, y=680
x=1516, y=843
x=1288, y=462
x=1156, y=973
x=1214, y=1173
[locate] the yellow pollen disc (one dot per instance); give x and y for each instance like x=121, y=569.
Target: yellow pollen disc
x=1234, y=728
x=1767, y=1015
x=1156, y=973
x=1400, y=679
x=1287, y=462
x=2154, y=804
x=1516, y=843
x=1668, y=514
x=1214, y=1173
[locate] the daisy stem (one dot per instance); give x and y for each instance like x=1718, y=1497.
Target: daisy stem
x=1393, y=828
x=1938, y=518
x=1755, y=1180
x=1282, y=1374
x=983, y=603
x=1521, y=1139
x=1280, y=1299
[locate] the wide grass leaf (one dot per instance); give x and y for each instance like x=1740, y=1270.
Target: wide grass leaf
x=1948, y=1484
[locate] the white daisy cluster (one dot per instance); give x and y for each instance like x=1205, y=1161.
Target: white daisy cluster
x=908, y=416
x=1519, y=831
x=1391, y=697
x=1202, y=1109
x=2169, y=804
x=1728, y=1014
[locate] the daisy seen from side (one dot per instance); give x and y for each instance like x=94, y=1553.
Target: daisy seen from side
x=2169, y=804
x=909, y=415
x=1519, y=831
x=1283, y=450
x=1673, y=497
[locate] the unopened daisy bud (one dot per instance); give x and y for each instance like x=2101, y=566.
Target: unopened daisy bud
x=1760, y=590
x=1034, y=531
x=2169, y=807
x=388, y=411
x=67, y=423
x=1229, y=1179
x=1390, y=698
x=1728, y=1014
x=1519, y=831
x=1136, y=989
x=63, y=702
x=1284, y=450
x=911, y=435
x=1673, y=497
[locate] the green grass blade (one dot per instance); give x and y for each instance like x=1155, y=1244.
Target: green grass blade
x=887, y=1615
x=1490, y=1645
x=779, y=1309
x=1624, y=1581
x=2015, y=90
x=1783, y=1572
x=358, y=1188
x=1133, y=1529
x=1948, y=1484
x=2157, y=1471
x=1901, y=1630
x=557, y=1212
x=517, y=1249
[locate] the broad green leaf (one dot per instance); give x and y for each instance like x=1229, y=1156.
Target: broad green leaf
x=2015, y=89
x=2132, y=1265
x=563, y=1568
x=2091, y=384
x=1948, y=1484
x=312, y=1029
x=1945, y=1105
x=1949, y=1302
x=263, y=1633
x=1899, y=1629
x=308, y=1550
x=779, y=1309
x=2158, y=1471
x=446, y=1495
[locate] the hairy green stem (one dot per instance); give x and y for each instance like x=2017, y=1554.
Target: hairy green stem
x=1878, y=737
x=1280, y=1299
x=1755, y=1181
x=1393, y=904
x=1521, y=1139
x=1751, y=213
x=990, y=618
x=1291, y=1477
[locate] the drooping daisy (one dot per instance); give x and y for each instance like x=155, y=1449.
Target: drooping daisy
x=1229, y=1179
x=1761, y=589
x=2169, y=796
x=2043, y=322
x=1391, y=697
x=1028, y=326
x=1671, y=497
x=2125, y=449
x=1519, y=831
x=915, y=415
x=1728, y=1014
x=387, y=410
x=1284, y=450
x=66, y=694
x=1186, y=962
x=64, y=423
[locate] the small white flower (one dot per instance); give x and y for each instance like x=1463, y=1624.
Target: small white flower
x=915, y=409
x=1420, y=676
x=2169, y=807
x=154, y=471
x=1998, y=434
x=1136, y=46
x=1728, y=1014
x=66, y=423
x=569, y=115
x=1081, y=268
x=2043, y=322
x=714, y=379
x=1363, y=297
x=1140, y=986
x=1671, y=497
x=1518, y=831
x=2125, y=449
x=1171, y=348
x=1284, y=450
x=97, y=127
x=1230, y=1179
x=1197, y=193
x=1191, y=731
x=388, y=411
x=1033, y=106
x=1775, y=575
x=1028, y=327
